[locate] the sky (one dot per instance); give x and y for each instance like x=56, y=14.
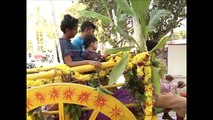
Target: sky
x=46, y=9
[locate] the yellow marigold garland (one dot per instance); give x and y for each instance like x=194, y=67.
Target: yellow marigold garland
x=142, y=61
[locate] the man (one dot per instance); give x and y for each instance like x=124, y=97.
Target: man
x=87, y=28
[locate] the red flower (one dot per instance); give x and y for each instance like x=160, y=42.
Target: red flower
x=39, y=96
x=68, y=93
x=54, y=94
x=100, y=101
x=83, y=97
x=140, y=64
x=115, y=112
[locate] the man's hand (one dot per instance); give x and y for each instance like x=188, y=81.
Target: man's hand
x=181, y=84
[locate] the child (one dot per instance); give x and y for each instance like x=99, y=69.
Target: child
x=167, y=87
x=91, y=45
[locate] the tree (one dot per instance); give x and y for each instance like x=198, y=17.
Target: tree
x=178, y=35
x=166, y=24
x=104, y=30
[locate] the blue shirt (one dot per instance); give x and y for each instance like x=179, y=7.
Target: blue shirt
x=78, y=42
x=67, y=48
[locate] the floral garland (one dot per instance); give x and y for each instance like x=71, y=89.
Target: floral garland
x=68, y=73
x=142, y=61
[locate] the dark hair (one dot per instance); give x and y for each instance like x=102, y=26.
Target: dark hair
x=68, y=22
x=150, y=44
x=88, y=40
x=87, y=24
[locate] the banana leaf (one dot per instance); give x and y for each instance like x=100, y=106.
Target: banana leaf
x=95, y=15
x=156, y=80
x=118, y=70
x=115, y=50
x=154, y=18
x=123, y=4
x=161, y=43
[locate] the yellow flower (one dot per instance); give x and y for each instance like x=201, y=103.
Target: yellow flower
x=148, y=62
x=146, y=80
x=129, y=65
x=140, y=72
x=117, y=58
x=102, y=73
x=86, y=77
x=148, y=101
x=149, y=93
x=148, y=118
x=148, y=111
x=147, y=70
x=148, y=75
x=148, y=87
x=154, y=117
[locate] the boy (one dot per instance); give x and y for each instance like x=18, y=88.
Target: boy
x=91, y=46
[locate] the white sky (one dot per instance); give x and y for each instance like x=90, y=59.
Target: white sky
x=46, y=9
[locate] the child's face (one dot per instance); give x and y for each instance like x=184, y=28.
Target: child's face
x=94, y=45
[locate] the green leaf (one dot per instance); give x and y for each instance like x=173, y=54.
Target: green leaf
x=103, y=90
x=115, y=50
x=106, y=7
x=155, y=17
x=161, y=43
x=125, y=7
x=118, y=70
x=162, y=71
x=31, y=111
x=139, y=6
x=95, y=15
x=125, y=35
x=156, y=80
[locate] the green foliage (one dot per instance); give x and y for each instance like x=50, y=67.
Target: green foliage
x=103, y=90
x=178, y=35
x=162, y=71
x=94, y=15
x=123, y=4
x=166, y=24
x=161, y=43
x=74, y=110
x=134, y=85
x=118, y=70
x=154, y=18
x=156, y=80
x=115, y=50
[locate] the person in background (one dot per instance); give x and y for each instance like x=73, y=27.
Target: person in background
x=168, y=100
x=91, y=45
x=167, y=87
x=87, y=28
